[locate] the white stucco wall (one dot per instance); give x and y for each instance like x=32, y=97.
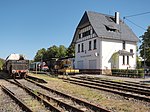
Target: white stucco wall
x=103, y=54
x=132, y=59
x=87, y=56
x=82, y=59
x=111, y=46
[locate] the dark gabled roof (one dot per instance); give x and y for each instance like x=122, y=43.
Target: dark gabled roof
x=105, y=27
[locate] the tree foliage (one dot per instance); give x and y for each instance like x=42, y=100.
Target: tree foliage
x=71, y=51
x=62, y=51
x=138, y=61
x=114, y=60
x=145, y=46
x=1, y=63
x=56, y=52
x=51, y=52
x=39, y=55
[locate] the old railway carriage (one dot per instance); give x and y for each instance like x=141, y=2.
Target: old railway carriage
x=103, y=42
x=16, y=65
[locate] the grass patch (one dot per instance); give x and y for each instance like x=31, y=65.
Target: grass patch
x=115, y=80
x=96, y=96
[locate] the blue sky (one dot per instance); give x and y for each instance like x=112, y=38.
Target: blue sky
x=29, y=25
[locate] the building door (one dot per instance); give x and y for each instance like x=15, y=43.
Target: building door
x=92, y=64
x=80, y=64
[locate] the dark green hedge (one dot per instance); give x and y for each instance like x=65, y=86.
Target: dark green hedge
x=138, y=73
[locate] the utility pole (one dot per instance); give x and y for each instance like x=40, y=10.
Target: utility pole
x=36, y=67
x=41, y=62
x=144, y=61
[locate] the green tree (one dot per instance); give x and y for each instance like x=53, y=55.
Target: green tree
x=114, y=60
x=56, y=52
x=145, y=46
x=71, y=50
x=1, y=63
x=61, y=51
x=40, y=54
x=138, y=61
x=52, y=52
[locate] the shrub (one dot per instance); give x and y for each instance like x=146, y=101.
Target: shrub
x=141, y=72
x=128, y=72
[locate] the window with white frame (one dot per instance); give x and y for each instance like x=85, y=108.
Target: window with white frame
x=80, y=36
x=127, y=60
x=82, y=47
x=94, y=47
x=90, y=45
x=78, y=48
x=123, y=59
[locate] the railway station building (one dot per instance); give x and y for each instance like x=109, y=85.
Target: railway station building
x=104, y=42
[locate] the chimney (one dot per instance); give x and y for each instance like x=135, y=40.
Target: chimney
x=117, y=17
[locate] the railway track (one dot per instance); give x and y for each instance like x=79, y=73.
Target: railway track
x=143, y=90
x=136, y=84
x=16, y=99
x=51, y=97
x=36, y=79
x=31, y=99
x=78, y=105
x=7, y=104
x=53, y=100
x=110, y=87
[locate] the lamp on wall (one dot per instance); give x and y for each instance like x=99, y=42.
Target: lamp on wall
x=96, y=54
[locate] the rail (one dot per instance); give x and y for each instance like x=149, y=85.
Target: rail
x=122, y=93
x=92, y=106
x=17, y=100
